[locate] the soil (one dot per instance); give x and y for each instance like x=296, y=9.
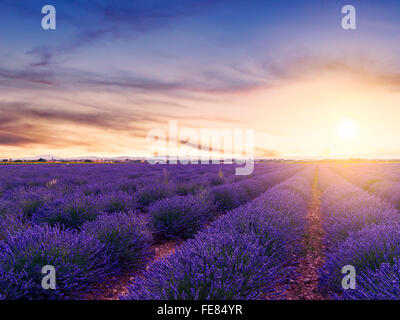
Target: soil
x=305, y=286
x=119, y=285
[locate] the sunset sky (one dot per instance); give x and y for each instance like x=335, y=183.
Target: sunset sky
x=111, y=71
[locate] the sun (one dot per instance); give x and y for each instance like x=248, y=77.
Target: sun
x=347, y=129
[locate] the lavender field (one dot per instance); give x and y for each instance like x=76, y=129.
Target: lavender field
x=137, y=231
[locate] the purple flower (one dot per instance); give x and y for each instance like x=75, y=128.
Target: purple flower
x=80, y=261
x=154, y=192
x=69, y=210
x=181, y=216
x=126, y=237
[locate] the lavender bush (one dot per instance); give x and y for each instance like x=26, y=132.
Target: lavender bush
x=10, y=224
x=155, y=192
x=70, y=211
x=116, y=201
x=126, y=237
x=181, y=216
x=366, y=250
x=227, y=197
x=362, y=231
x=80, y=260
x=380, y=284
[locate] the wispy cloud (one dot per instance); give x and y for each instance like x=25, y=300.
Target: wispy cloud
x=13, y=113
x=9, y=139
x=365, y=68
x=262, y=152
x=26, y=76
x=116, y=20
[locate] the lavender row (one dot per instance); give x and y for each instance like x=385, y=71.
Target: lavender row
x=390, y=171
x=374, y=182
x=242, y=255
x=182, y=216
x=361, y=231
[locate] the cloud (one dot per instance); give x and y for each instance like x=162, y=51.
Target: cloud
x=266, y=153
x=8, y=139
x=45, y=55
x=29, y=134
x=272, y=75
x=30, y=76
x=207, y=82
x=26, y=124
x=116, y=20
x=260, y=152
x=363, y=68
x=21, y=112
x=25, y=135
x=190, y=86
x=199, y=146
x=136, y=83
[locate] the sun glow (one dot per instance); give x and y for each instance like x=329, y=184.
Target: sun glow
x=347, y=129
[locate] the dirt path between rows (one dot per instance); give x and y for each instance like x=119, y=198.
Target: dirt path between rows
x=120, y=285
x=305, y=287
